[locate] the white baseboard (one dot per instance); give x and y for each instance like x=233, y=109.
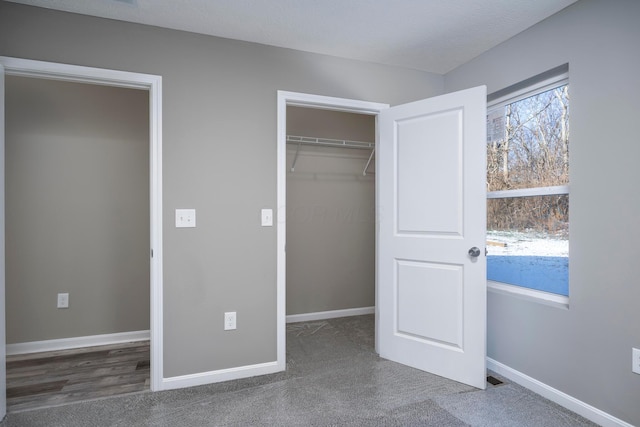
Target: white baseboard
x=76, y=342
x=322, y=315
x=579, y=407
x=211, y=377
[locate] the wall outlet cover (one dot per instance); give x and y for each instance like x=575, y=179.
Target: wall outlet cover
x=63, y=300
x=230, y=321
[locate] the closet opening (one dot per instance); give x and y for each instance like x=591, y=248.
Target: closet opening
x=330, y=219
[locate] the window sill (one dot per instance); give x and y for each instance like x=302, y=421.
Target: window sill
x=540, y=297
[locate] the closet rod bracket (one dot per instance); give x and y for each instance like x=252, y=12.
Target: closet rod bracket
x=364, y=172
x=295, y=159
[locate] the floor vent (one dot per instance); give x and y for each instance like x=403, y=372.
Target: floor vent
x=493, y=380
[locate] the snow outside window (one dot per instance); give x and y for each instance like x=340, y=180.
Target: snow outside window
x=528, y=187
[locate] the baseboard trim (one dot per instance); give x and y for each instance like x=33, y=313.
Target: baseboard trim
x=322, y=315
x=211, y=377
x=76, y=342
x=579, y=407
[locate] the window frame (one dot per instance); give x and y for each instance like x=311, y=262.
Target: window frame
x=531, y=87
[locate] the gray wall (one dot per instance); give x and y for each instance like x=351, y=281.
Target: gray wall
x=77, y=209
x=219, y=157
x=330, y=214
x=584, y=351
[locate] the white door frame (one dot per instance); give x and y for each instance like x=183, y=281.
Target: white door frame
x=105, y=77
x=308, y=101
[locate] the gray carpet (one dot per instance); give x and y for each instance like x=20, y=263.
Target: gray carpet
x=333, y=378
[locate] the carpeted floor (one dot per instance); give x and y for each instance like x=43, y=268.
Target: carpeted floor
x=333, y=378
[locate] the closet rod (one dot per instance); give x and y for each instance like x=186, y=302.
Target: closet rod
x=325, y=142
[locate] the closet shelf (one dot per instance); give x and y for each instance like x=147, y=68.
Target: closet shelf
x=326, y=142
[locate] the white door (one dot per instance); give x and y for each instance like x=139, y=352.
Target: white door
x=3, y=352
x=431, y=293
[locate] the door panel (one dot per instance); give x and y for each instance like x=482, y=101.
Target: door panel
x=424, y=293
x=420, y=175
x=432, y=209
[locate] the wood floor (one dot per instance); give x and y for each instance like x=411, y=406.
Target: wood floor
x=54, y=378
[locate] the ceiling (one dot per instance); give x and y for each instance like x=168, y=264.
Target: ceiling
x=430, y=35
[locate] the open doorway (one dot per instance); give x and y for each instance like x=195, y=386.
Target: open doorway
x=289, y=102
x=330, y=214
x=152, y=85
x=77, y=235
x=330, y=237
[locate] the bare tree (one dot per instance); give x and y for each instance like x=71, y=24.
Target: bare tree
x=533, y=153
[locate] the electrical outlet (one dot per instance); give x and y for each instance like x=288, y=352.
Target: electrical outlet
x=635, y=357
x=63, y=300
x=230, y=321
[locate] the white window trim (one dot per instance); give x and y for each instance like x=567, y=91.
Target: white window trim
x=528, y=192
x=521, y=292
x=542, y=86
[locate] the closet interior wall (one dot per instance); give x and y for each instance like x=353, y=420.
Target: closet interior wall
x=330, y=214
x=77, y=209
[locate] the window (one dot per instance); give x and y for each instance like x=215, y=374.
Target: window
x=528, y=186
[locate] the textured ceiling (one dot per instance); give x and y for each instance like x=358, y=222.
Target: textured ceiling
x=429, y=35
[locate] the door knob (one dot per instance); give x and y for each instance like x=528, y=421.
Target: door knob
x=474, y=252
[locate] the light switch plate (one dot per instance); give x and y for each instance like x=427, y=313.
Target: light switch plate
x=185, y=218
x=267, y=217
